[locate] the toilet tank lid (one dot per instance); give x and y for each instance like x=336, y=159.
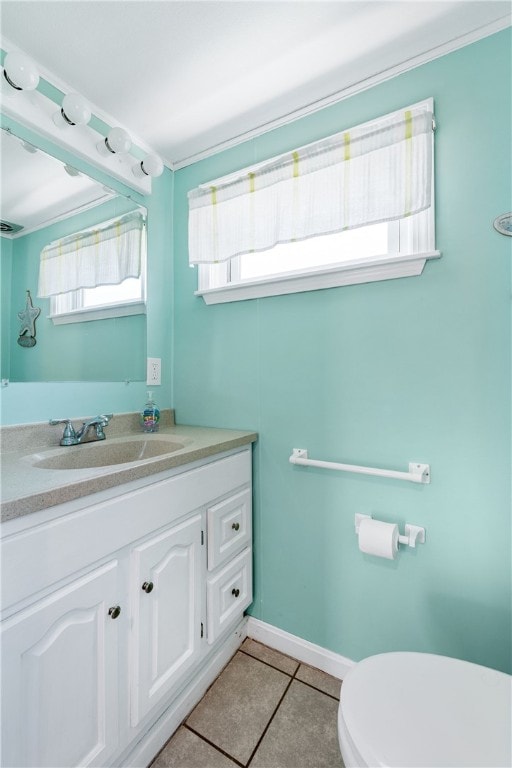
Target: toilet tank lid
x=419, y=709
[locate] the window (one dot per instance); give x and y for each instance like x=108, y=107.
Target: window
x=355, y=207
x=127, y=298
x=96, y=273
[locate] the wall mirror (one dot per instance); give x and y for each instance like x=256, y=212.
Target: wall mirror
x=44, y=199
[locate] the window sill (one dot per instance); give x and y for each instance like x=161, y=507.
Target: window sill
x=351, y=273
x=99, y=313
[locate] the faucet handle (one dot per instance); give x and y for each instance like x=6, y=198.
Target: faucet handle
x=106, y=417
x=69, y=435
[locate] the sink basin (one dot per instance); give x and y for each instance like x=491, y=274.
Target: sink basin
x=105, y=454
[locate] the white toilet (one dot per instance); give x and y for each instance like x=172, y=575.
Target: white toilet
x=418, y=709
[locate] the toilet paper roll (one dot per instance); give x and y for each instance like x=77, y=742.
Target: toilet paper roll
x=378, y=538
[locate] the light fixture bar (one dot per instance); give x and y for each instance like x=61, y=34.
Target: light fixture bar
x=37, y=114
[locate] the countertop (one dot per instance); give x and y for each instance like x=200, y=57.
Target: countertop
x=27, y=488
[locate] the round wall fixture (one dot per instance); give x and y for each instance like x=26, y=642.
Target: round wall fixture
x=503, y=224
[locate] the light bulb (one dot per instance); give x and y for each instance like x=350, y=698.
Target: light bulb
x=20, y=72
x=75, y=111
x=150, y=166
x=117, y=142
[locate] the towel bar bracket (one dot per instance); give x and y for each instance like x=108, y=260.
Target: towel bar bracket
x=420, y=471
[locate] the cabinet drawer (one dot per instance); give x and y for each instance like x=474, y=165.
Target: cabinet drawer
x=229, y=528
x=229, y=593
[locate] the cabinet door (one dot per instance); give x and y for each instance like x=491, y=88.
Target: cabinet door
x=167, y=608
x=60, y=678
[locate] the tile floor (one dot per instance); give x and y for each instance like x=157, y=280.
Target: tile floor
x=265, y=710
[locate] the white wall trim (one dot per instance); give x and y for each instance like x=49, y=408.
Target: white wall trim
x=350, y=273
x=99, y=313
x=300, y=649
x=345, y=93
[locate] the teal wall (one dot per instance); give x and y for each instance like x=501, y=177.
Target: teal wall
x=28, y=402
x=414, y=369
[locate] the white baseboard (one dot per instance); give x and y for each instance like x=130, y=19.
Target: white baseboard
x=153, y=741
x=300, y=649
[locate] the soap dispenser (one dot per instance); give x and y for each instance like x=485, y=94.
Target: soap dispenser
x=150, y=416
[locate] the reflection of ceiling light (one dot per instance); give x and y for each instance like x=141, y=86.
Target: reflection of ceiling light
x=71, y=171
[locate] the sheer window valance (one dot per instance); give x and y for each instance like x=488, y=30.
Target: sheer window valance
x=105, y=255
x=375, y=172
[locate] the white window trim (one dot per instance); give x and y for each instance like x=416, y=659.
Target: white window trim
x=364, y=270
x=351, y=272
x=99, y=313
x=417, y=244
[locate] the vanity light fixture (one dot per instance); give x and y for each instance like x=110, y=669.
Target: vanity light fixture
x=60, y=114
x=20, y=73
x=74, y=111
x=116, y=143
x=150, y=166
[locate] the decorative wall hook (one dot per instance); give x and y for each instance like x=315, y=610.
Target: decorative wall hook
x=28, y=316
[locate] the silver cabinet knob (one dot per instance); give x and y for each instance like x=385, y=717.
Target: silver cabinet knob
x=114, y=611
x=147, y=587
x=235, y=526
x=235, y=592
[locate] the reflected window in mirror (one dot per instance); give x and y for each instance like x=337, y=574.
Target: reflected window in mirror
x=108, y=262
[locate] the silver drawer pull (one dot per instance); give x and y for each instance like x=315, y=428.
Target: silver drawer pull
x=114, y=611
x=235, y=592
x=147, y=587
x=235, y=526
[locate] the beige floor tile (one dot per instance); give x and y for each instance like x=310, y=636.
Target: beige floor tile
x=270, y=656
x=237, y=708
x=303, y=733
x=319, y=679
x=186, y=750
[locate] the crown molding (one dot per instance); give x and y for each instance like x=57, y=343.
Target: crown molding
x=351, y=90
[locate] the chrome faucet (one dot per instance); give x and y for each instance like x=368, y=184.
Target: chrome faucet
x=73, y=437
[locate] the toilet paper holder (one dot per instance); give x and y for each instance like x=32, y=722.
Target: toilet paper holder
x=414, y=534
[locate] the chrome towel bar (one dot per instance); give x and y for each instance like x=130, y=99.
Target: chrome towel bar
x=418, y=473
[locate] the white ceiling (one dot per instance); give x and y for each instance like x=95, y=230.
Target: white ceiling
x=185, y=77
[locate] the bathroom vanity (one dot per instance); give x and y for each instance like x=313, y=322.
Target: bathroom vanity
x=120, y=606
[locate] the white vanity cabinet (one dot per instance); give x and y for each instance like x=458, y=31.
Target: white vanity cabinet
x=112, y=612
